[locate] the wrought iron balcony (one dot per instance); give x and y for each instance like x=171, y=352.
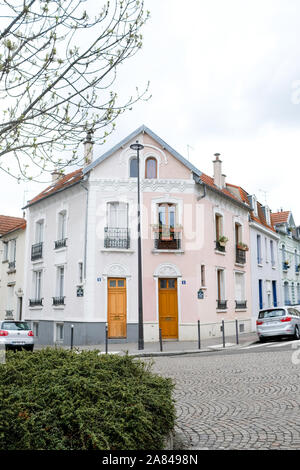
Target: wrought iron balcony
x=9, y=314
x=58, y=300
x=171, y=244
x=11, y=266
x=36, y=251
x=116, y=238
x=35, y=302
x=240, y=256
x=60, y=243
x=221, y=304
x=240, y=304
x=220, y=247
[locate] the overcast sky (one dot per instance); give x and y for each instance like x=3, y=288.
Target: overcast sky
x=224, y=77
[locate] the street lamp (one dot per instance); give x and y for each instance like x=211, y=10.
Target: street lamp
x=139, y=147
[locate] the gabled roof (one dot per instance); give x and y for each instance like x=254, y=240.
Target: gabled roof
x=62, y=183
x=130, y=137
x=74, y=177
x=281, y=217
x=9, y=224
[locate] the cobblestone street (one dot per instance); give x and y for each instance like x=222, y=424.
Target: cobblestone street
x=240, y=401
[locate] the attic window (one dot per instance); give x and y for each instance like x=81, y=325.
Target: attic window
x=268, y=216
x=254, y=205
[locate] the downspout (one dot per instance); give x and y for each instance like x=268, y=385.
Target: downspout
x=198, y=180
x=85, y=229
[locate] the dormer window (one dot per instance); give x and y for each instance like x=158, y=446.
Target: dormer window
x=151, y=168
x=254, y=205
x=268, y=215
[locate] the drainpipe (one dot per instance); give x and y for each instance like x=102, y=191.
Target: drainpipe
x=198, y=180
x=85, y=228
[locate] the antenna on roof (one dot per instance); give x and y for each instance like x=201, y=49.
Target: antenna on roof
x=265, y=194
x=188, y=152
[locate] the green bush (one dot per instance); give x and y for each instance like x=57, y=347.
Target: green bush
x=60, y=400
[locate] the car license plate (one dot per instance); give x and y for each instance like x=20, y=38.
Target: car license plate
x=18, y=342
x=271, y=323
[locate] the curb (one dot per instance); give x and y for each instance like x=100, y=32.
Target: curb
x=188, y=351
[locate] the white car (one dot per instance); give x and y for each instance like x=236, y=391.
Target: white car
x=16, y=334
x=278, y=321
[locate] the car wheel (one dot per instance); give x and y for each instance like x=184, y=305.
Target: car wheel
x=297, y=333
x=262, y=340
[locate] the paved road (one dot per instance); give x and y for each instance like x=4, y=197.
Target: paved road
x=237, y=399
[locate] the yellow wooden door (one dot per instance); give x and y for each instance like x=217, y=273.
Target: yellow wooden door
x=168, y=308
x=116, y=308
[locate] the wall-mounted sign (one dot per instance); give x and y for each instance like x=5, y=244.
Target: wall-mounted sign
x=79, y=292
x=183, y=283
x=200, y=294
x=98, y=279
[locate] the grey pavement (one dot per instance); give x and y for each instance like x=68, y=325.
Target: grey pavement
x=239, y=402
x=172, y=347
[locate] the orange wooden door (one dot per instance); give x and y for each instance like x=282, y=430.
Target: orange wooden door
x=168, y=308
x=116, y=308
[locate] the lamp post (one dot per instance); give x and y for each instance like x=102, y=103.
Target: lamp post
x=137, y=146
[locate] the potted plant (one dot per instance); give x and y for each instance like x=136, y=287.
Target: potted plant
x=286, y=264
x=243, y=246
x=223, y=240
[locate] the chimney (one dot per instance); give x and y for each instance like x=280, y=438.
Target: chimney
x=88, y=148
x=218, y=177
x=223, y=180
x=56, y=175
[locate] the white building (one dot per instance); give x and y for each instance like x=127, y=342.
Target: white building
x=13, y=230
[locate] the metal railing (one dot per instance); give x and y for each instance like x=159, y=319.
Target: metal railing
x=37, y=251
x=172, y=244
x=116, y=238
x=239, y=304
x=220, y=247
x=58, y=300
x=35, y=302
x=221, y=304
x=240, y=256
x=60, y=243
x=11, y=265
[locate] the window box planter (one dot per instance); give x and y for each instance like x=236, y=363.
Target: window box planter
x=242, y=247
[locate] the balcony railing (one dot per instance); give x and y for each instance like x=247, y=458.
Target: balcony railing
x=58, y=301
x=60, y=243
x=35, y=302
x=9, y=314
x=220, y=247
x=36, y=251
x=240, y=256
x=11, y=266
x=240, y=304
x=171, y=244
x=116, y=238
x=221, y=304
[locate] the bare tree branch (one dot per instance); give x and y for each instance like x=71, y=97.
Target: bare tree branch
x=57, y=71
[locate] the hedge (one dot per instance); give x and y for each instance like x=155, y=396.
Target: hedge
x=61, y=400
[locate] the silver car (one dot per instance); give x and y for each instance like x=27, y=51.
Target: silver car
x=278, y=321
x=16, y=334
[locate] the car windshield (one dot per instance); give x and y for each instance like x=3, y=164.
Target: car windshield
x=271, y=313
x=15, y=325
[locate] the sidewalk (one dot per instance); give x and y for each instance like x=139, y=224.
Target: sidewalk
x=170, y=348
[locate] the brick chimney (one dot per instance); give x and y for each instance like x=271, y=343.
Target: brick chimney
x=219, y=179
x=88, y=148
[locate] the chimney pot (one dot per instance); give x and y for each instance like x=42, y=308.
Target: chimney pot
x=88, y=148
